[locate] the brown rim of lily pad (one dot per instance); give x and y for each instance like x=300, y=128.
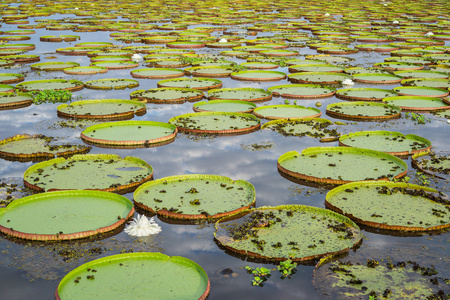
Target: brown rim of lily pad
x=18, y=78
x=163, y=140
x=88, y=70
x=276, y=76
x=416, y=164
x=330, y=93
x=177, y=73
x=37, y=155
x=356, y=117
x=15, y=104
x=216, y=85
x=317, y=112
x=360, y=78
x=259, y=99
x=110, y=117
x=66, y=236
x=199, y=96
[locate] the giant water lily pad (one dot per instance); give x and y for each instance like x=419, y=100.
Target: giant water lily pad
x=54, y=66
x=391, y=205
x=195, y=196
x=210, y=71
x=421, y=74
x=197, y=83
x=284, y=111
x=216, y=123
x=390, y=142
x=299, y=91
x=116, y=64
x=377, y=78
x=436, y=164
x=364, y=94
x=244, y=94
x=6, y=88
x=168, y=95
x=111, y=109
x=427, y=82
x=338, y=165
x=316, y=68
x=384, y=273
x=11, y=78
x=313, y=127
x=279, y=233
x=418, y=103
x=15, y=100
x=25, y=147
x=318, y=77
x=225, y=105
x=106, y=172
x=130, y=133
x=155, y=73
x=50, y=84
x=65, y=215
x=111, y=83
x=363, y=110
x=421, y=91
x=258, y=75
x=150, y=273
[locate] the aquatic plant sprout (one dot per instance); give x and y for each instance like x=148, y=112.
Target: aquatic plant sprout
x=141, y=226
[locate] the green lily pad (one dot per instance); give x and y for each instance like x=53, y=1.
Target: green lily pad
x=376, y=48
x=398, y=66
x=391, y=142
x=65, y=215
x=421, y=74
x=421, y=91
x=313, y=127
x=216, y=123
x=210, y=71
x=85, y=70
x=15, y=100
x=225, y=106
x=18, y=46
x=260, y=65
x=299, y=91
x=258, y=75
x=244, y=94
x=338, y=165
x=111, y=83
x=330, y=58
x=168, y=95
x=6, y=88
x=195, y=196
x=363, y=110
x=53, y=66
x=106, y=172
x=284, y=111
x=212, y=62
x=278, y=233
x=59, y=38
x=427, y=82
x=360, y=70
x=110, y=58
x=11, y=78
x=318, y=77
x=316, y=68
x=111, y=109
x=186, y=45
x=391, y=205
x=418, y=103
x=151, y=273
x=436, y=164
x=377, y=78
x=364, y=94
x=197, y=83
x=6, y=62
x=25, y=147
x=130, y=134
x=116, y=65
x=50, y=84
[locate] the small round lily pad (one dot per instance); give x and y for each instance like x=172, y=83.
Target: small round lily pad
x=364, y=94
x=391, y=205
x=65, y=215
x=339, y=165
x=244, y=94
x=50, y=84
x=111, y=83
x=106, y=172
x=168, y=95
x=110, y=109
x=197, y=83
x=150, y=273
x=195, y=196
x=258, y=75
x=299, y=91
x=130, y=133
x=216, y=123
x=413, y=103
x=363, y=110
x=279, y=233
x=225, y=106
x=391, y=142
x=284, y=111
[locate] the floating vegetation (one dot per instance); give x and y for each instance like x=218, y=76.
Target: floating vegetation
x=313, y=127
x=436, y=164
x=267, y=145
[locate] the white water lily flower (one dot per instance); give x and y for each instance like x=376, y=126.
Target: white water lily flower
x=348, y=82
x=76, y=8
x=327, y=15
x=136, y=57
x=222, y=40
x=395, y=22
x=141, y=226
x=429, y=33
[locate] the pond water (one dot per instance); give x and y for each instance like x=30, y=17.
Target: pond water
x=33, y=271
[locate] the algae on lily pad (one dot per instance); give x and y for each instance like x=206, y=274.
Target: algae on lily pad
x=363, y=110
x=244, y=94
x=390, y=142
x=391, y=205
x=364, y=94
x=130, y=134
x=283, y=232
x=198, y=83
x=111, y=109
x=106, y=172
x=195, y=196
x=25, y=147
x=313, y=127
x=111, y=83
x=338, y=165
x=299, y=91
x=65, y=215
x=149, y=273
x=168, y=95
x=436, y=164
